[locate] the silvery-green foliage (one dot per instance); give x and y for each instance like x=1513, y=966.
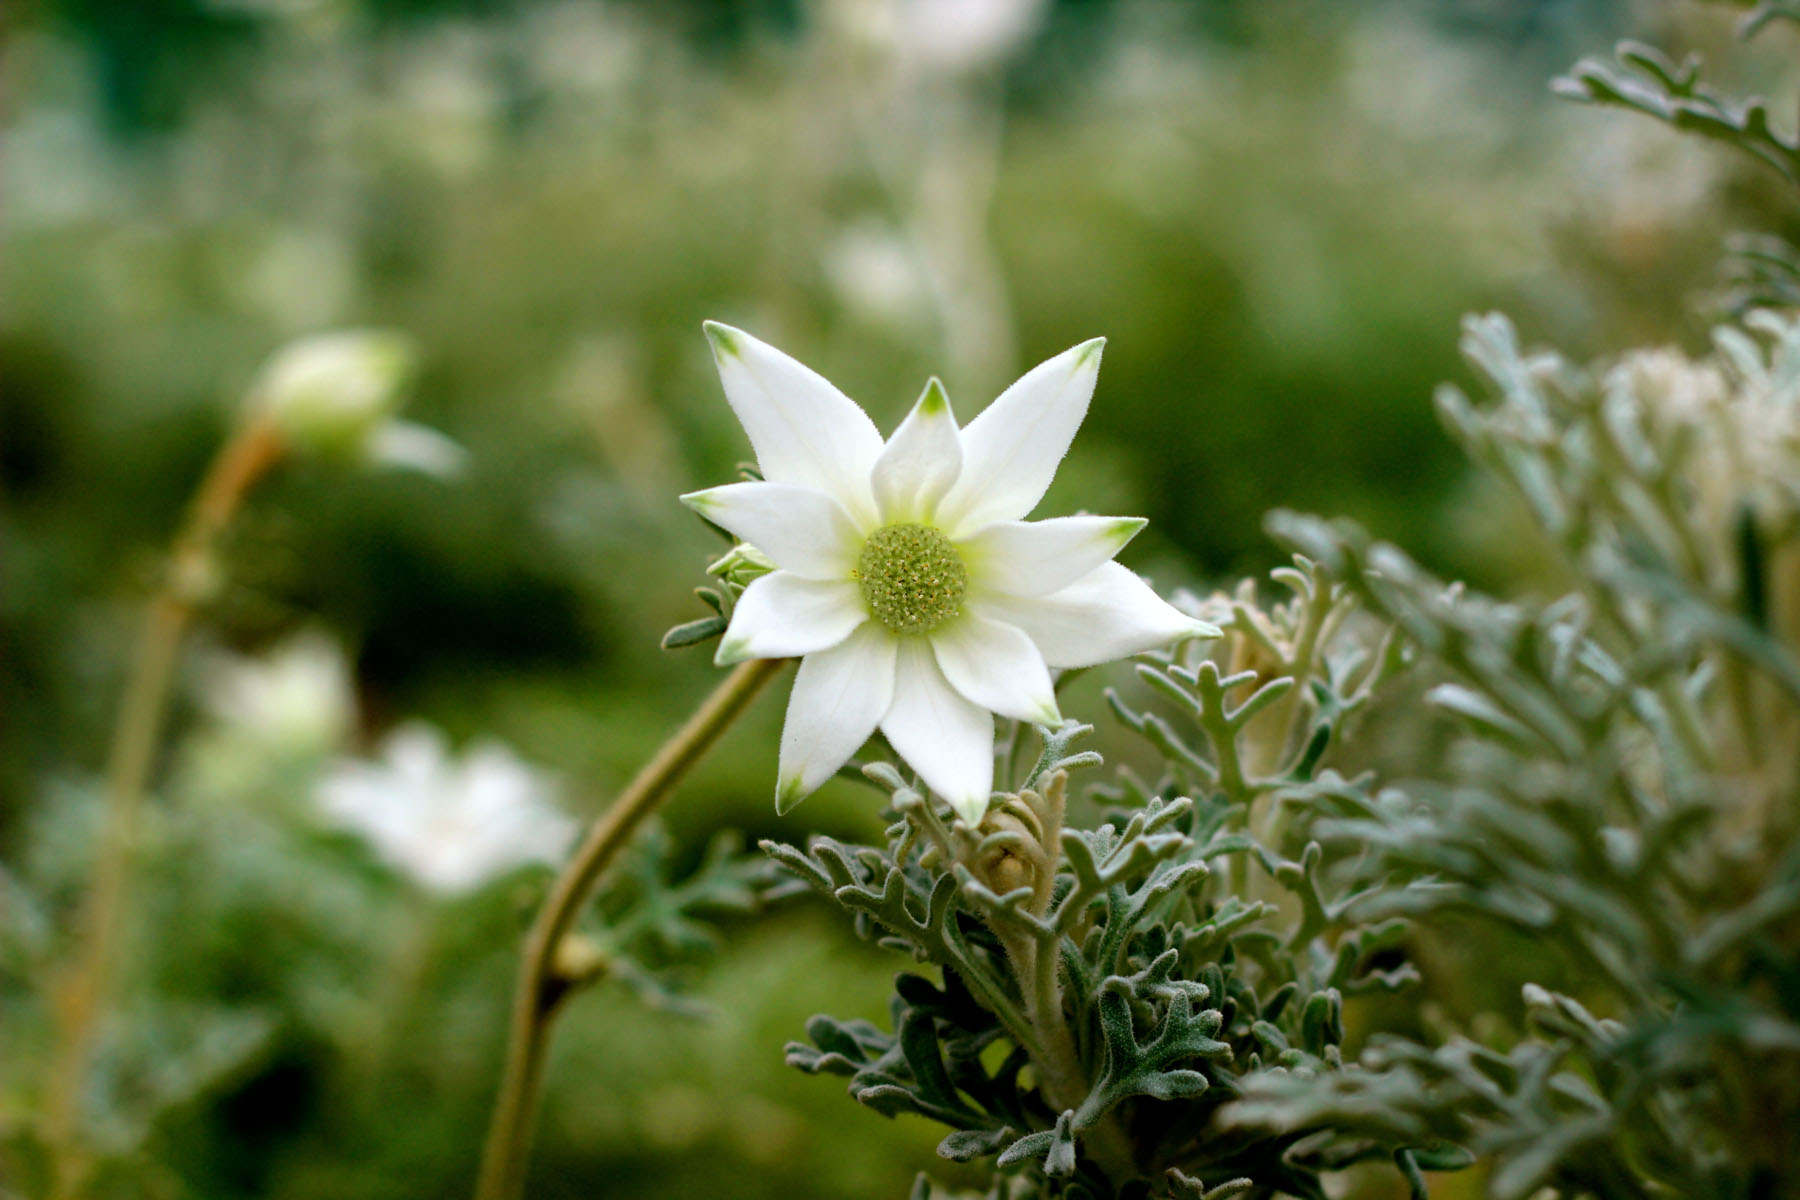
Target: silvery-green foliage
x=1191, y=934
x=1762, y=13
x=1625, y=790
x=1760, y=270
x=1647, y=81
x=650, y=921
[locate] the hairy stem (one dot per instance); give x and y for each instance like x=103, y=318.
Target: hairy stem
x=1290, y=711
x=81, y=993
x=1036, y=962
x=541, y=988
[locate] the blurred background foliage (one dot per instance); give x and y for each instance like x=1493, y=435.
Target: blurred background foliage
x=1276, y=212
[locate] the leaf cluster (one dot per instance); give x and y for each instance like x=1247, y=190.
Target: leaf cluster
x=1083, y=1036
x=1623, y=793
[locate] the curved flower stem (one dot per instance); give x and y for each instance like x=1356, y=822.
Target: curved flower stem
x=541, y=986
x=81, y=993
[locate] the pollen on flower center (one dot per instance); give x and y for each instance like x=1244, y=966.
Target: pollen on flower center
x=913, y=580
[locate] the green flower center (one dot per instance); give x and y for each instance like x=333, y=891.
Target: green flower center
x=913, y=580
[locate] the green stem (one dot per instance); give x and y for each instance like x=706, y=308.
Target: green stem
x=1064, y=1080
x=1292, y=708
x=81, y=993
x=541, y=988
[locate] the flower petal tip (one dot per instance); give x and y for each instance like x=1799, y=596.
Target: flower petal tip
x=789, y=792
x=1203, y=630
x=724, y=339
x=1090, y=352
x=732, y=651
x=934, y=401
x=1123, y=529
x=970, y=809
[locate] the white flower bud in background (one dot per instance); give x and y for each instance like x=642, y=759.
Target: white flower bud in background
x=337, y=394
x=878, y=275
x=329, y=392
x=448, y=824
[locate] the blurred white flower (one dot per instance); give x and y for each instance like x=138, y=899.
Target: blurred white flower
x=906, y=577
x=942, y=35
x=581, y=48
x=302, y=278
x=336, y=394
x=964, y=35
x=450, y=825
x=877, y=274
x=448, y=103
x=295, y=699
x=58, y=172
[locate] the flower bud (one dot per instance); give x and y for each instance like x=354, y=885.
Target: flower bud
x=741, y=566
x=1017, y=859
x=331, y=392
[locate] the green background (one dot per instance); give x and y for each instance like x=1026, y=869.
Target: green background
x=1276, y=213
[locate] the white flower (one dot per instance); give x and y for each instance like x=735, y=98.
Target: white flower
x=919, y=599
x=297, y=698
x=450, y=826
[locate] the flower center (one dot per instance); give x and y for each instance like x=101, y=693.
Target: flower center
x=912, y=578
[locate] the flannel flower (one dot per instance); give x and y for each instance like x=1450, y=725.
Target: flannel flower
x=449, y=824
x=907, y=581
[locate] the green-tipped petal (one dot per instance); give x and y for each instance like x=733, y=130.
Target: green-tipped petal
x=839, y=695
x=789, y=791
x=723, y=339
x=1035, y=558
x=996, y=666
x=804, y=430
x=783, y=615
x=802, y=530
x=920, y=462
x=942, y=735
x=1108, y=613
x=1011, y=451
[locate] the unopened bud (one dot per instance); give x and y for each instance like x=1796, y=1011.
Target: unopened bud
x=579, y=959
x=331, y=392
x=1011, y=864
x=740, y=566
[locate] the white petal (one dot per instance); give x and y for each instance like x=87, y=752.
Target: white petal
x=783, y=615
x=802, y=428
x=839, y=696
x=920, y=461
x=1034, y=558
x=996, y=666
x=802, y=530
x=946, y=739
x=1106, y=614
x=416, y=447
x=1011, y=451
